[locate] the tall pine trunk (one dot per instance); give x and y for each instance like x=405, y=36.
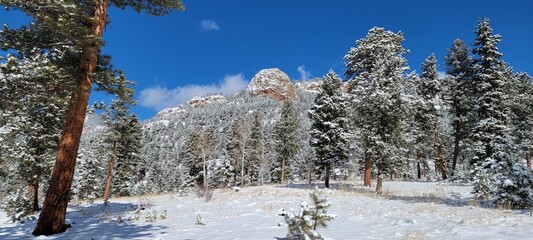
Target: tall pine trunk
x=110, y=166
x=242, y=163
x=283, y=171
x=379, y=184
x=418, y=168
x=52, y=218
x=204, y=167
x=327, y=170
x=456, y=148
x=443, y=168
x=528, y=159
x=33, y=188
x=368, y=171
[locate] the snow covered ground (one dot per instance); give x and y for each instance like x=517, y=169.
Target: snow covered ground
x=407, y=210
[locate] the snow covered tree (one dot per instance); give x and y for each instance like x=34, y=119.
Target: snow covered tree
x=303, y=224
x=191, y=158
x=18, y=205
x=429, y=90
x=494, y=169
x=287, y=141
x=521, y=112
x=256, y=146
x=128, y=147
x=238, y=148
x=328, y=130
x=375, y=69
x=33, y=102
x=81, y=24
x=94, y=156
x=126, y=138
x=197, y=155
x=459, y=68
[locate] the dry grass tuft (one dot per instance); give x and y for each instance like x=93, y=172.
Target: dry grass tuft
x=415, y=235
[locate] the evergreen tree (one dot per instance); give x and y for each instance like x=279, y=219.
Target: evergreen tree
x=494, y=169
x=255, y=155
x=328, y=131
x=126, y=136
x=198, y=155
x=238, y=149
x=459, y=68
x=127, y=170
x=375, y=68
x=303, y=224
x=191, y=159
x=521, y=112
x=287, y=141
x=94, y=154
x=429, y=90
x=79, y=24
x=32, y=107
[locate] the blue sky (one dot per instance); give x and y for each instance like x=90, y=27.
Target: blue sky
x=218, y=46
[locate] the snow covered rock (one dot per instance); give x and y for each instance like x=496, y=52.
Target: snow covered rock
x=201, y=101
x=273, y=83
x=194, y=102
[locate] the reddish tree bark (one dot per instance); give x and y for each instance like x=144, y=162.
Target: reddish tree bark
x=33, y=188
x=52, y=218
x=379, y=185
x=368, y=171
x=110, y=173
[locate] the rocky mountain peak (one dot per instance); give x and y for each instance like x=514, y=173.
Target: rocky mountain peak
x=272, y=82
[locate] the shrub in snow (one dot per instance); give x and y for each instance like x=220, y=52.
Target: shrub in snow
x=199, y=220
x=136, y=216
x=516, y=189
x=481, y=182
x=18, y=206
x=303, y=224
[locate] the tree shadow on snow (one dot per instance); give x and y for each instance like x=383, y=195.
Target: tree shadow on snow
x=450, y=201
x=93, y=222
x=343, y=186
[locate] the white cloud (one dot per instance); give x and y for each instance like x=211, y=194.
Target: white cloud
x=304, y=75
x=209, y=25
x=158, y=97
x=441, y=75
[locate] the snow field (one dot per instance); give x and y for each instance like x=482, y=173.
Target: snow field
x=407, y=210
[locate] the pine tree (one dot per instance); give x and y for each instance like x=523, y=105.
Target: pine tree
x=375, y=70
x=521, y=110
x=459, y=68
x=238, y=149
x=328, y=131
x=127, y=170
x=303, y=224
x=287, y=141
x=255, y=155
x=89, y=179
x=191, y=159
x=429, y=90
x=32, y=107
x=198, y=157
x=126, y=139
x=81, y=25
x=492, y=164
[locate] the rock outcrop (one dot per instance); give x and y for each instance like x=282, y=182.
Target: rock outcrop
x=272, y=82
x=201, y=101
